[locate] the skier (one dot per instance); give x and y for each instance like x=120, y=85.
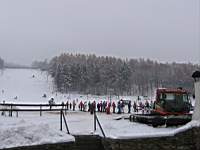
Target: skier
x=44, y=96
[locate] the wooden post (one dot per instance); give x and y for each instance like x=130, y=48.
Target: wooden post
x=65, y=109
x=40, y=110
x=61, y=120
x=95, y=126
x=17, y=114
x=11, y=110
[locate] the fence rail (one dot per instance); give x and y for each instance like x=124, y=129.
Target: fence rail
x=10, y=109
x=32, y=105
x=63, y=109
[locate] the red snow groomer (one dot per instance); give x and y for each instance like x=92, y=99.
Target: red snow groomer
x=171, y=108
x=171, y=102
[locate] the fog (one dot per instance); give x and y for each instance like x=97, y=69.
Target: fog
x=166, y=30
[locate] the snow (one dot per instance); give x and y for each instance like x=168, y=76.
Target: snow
x=196, y=115
x=20, y=83
x=20, y=132
x=31, y=129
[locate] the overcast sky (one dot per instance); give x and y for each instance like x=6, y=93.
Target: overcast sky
x=164, y=30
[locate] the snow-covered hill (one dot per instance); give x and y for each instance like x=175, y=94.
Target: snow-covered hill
x=20, y=83
x=29, y=89
x=30, y=85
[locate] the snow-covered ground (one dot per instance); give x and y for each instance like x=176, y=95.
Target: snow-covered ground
x=21, y=132
x=29, y=128
x=29, y=89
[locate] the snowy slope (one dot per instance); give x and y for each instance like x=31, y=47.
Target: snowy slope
x=30, y=128
x=20, y=83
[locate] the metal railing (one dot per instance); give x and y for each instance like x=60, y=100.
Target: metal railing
x=96, y=121
x=10, y=107
x=13, y=108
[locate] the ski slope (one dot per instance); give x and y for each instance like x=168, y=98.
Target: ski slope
x=29, y=128
x=20, y=83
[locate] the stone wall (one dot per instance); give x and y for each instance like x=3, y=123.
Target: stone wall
x=188, y=140
x=83, y=142
x=57, y=146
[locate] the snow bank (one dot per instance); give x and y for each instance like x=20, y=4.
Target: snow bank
x=22, y=133
x=155, y=133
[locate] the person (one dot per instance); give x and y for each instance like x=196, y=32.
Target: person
x=119, y=107
x=142, y=106
x=101, y=107
x=122, y=105
x=98, y=107
x=67, y=105
x=89, y=106
x=129, y=107
x=63, y=104
x=44, y=96
x=104, y=106
x=113, y=106
x=92, y=109
x=51, y=102
x=81, y=106
x=73, y=105
x=108, y=108
x=70, y=106
x=147, y=106
x=15, y=97
x=151, y=105
x=135, y=107
x=85, y=106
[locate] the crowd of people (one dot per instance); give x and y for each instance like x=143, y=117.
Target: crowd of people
x=109, y=107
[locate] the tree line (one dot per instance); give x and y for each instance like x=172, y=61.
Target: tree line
x=1, y=63
x=99, y=75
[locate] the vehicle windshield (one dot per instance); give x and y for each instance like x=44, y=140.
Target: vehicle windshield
x=174, y=96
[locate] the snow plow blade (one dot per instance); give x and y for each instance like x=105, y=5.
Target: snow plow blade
x=157, y=120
